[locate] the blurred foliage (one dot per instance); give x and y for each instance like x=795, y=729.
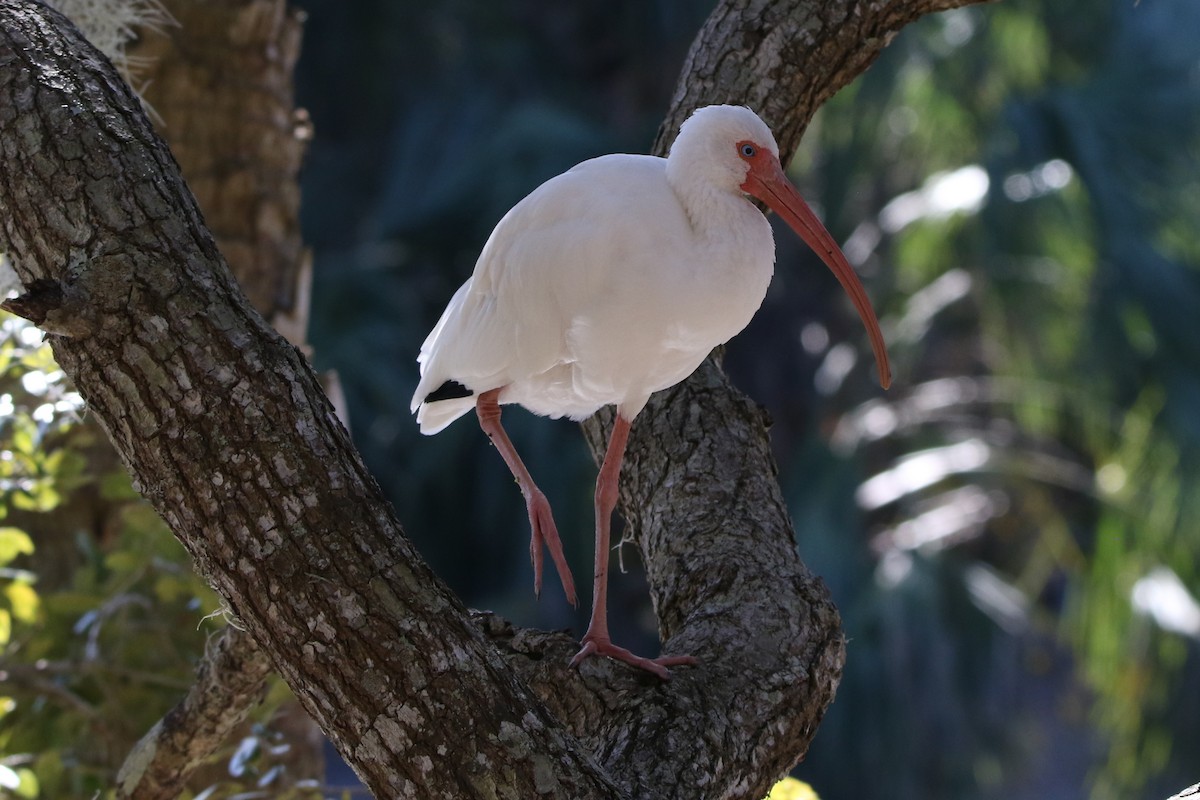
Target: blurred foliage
x=1029, y=494
x=102, y=618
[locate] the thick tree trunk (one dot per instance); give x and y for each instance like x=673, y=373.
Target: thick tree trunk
x=225, y=429
x=221, y=83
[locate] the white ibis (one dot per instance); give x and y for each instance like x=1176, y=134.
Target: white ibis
x=606, y=284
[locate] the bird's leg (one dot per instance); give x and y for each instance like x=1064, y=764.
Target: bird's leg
x=597, y=641
x=541, y=520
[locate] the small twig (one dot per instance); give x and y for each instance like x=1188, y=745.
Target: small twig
x=33, y=679
x=89, y=668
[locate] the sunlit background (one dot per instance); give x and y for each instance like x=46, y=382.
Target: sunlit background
x=1011, y=532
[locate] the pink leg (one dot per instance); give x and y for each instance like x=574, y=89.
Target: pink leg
x=487, y=407
x=597, y=641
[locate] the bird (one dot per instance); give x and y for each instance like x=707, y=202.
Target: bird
x=608, y=283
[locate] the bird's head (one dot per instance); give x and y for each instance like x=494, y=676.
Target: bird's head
x=731, y=148
x=710, y=142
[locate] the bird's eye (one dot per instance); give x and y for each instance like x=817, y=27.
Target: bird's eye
x=747, y=150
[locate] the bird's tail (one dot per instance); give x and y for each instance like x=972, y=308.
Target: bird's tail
x=432, y=417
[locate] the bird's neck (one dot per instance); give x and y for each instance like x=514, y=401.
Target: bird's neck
x=732, y=260
x=722, y=219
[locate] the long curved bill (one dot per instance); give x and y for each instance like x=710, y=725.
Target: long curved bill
x=766, y=181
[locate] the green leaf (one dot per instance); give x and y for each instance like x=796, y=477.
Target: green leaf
x=13, y=542
x=39, y=359
x=28, y=783
x=6, y=354
x=23, y=433
x=23, y=601
x=41, y=497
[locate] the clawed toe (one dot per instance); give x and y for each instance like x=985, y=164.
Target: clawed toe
x=604, y=647
x=545, y=533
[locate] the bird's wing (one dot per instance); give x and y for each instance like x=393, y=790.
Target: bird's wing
x=560, y=251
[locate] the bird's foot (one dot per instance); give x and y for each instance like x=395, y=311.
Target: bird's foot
x=603, y=646
x=545, y=533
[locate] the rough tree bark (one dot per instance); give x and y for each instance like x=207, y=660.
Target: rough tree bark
x=225, y=430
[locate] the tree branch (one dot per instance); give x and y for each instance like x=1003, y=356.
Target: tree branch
x=784, y=58
x=230, y=681
x=224, y=428
x=222, y=83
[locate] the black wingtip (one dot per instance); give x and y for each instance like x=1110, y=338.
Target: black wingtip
x=450, y=390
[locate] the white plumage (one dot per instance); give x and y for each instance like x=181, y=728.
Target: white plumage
x=613, y=281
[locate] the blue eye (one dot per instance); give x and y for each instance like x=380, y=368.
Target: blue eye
x=748, y=150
